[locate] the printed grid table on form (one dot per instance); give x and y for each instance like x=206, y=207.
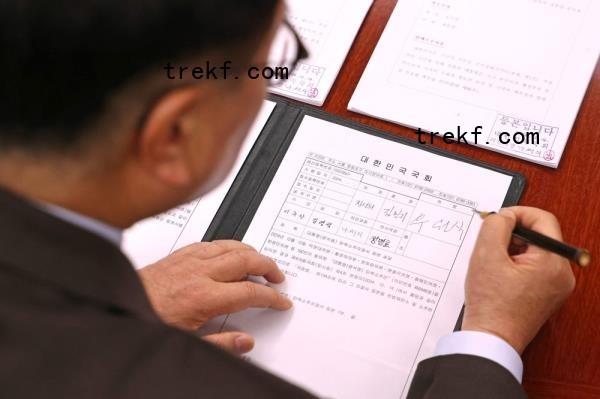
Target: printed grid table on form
x=358, y=234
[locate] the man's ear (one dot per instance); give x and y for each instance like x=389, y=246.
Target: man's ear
x=161, y=142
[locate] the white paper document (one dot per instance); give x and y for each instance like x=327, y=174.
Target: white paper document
x=151, y=240
x=374, y=237
x=508, y=66
x=327, y=28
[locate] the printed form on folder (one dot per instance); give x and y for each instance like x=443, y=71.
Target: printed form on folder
x=506, y=65
x=327, y=28
x=374, y=237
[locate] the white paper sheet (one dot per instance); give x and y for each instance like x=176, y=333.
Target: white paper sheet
x=327, y=28
x=150, y=240
x=374, y=237
x=506, y=65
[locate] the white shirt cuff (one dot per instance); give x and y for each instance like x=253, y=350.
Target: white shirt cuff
x=483, y=345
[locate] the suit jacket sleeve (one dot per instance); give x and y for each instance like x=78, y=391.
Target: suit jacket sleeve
x=163, y=363
x=78, y=349
x=463, y=376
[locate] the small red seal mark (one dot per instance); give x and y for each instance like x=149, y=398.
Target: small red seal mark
x=549, y=155
x=312, y=92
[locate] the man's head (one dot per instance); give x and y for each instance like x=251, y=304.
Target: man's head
x=89, y=118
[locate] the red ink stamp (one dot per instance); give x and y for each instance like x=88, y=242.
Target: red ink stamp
x=549, y=155
x=312, y=92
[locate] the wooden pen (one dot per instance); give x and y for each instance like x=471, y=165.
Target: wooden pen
x=581, y=257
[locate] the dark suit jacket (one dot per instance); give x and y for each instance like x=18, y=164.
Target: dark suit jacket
x=75, y=323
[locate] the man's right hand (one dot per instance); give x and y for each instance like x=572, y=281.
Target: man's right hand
x=511, y=294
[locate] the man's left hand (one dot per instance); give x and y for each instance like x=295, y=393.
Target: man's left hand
x=206, y=280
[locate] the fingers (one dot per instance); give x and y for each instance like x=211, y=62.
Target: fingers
x=538, y=220
x=235, y=297
x=231, y=260
x=209, y=250
x=234, y=342
x=239, y=264
x=495, y=235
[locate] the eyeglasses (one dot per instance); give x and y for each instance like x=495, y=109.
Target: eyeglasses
x=285, y=54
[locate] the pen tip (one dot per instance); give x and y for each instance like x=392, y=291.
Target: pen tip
x=482, y=214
